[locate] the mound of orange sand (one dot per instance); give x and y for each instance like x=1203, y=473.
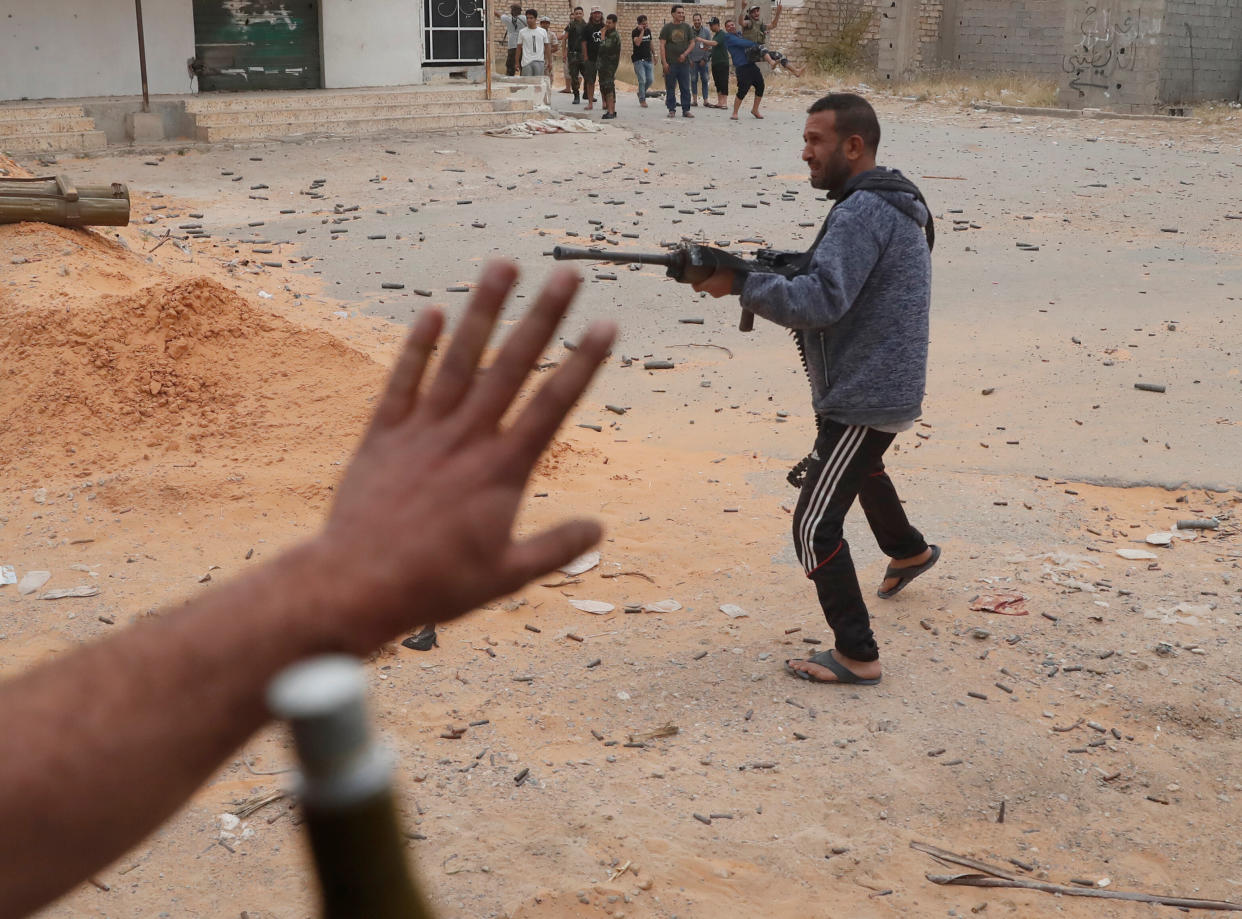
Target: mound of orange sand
x=175, y=366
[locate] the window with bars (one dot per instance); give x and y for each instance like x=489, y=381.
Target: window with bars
x=454, y=32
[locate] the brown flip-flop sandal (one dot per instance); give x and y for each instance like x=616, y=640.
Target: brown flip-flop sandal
x=906, y=575
x=843, y=673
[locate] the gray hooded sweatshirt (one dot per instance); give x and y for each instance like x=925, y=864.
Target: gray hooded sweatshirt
x=861, y=309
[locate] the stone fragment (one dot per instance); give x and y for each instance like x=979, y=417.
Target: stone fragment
x=32, y=581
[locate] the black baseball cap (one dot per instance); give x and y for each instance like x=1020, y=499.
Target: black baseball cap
x=713, y=21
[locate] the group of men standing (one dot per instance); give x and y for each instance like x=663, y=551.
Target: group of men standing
x=592, y=54
x=686, y=52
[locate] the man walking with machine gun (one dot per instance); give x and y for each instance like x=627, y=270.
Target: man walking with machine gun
x=858, y=309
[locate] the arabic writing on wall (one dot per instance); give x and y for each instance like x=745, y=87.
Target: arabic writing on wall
x=1106, y=48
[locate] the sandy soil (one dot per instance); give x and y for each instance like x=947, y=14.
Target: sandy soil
x=176, y=412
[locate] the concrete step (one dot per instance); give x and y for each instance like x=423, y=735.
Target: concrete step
x=348, y=113
x=54, y=142
x=37, y=112
x=58, y=125
x=447, y=121
x=261, y=101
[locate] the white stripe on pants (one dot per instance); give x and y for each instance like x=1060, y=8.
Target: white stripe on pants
x=830, y=476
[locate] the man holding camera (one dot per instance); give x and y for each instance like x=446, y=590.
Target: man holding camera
x=514, y=22
x=644, y=67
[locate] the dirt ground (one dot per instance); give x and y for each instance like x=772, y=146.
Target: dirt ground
x=176, y=407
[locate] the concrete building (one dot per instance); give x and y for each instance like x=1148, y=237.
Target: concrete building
x=239, y=70
x=60, y=49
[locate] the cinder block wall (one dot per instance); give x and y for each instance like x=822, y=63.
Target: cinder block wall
x=1113, y=55
x=805, y=29
x=931, y=22
x=907, y=37
x=901, y=36
x=1003, y=36
x=1201, y=53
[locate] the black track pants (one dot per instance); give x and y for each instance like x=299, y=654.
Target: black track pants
x=847, y=463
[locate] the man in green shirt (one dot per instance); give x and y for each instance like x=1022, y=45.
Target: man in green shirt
x=574, y=60
x=720, y=63
x=609, y=58
x=675, y=40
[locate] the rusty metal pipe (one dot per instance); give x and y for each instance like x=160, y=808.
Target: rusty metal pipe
x=142, y=57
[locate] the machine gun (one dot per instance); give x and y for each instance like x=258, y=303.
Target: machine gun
x=690, y=263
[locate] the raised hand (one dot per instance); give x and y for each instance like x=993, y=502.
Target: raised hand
x=424, y=516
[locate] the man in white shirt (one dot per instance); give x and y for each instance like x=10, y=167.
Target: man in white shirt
x=513, y=26
x=533, y=46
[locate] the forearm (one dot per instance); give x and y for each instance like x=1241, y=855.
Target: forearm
x=100, y=765
x=803, y=302
x=843, y=260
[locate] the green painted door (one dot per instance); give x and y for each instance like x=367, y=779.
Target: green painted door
x=257, y=44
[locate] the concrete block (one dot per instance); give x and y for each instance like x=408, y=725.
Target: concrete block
x=144, y=127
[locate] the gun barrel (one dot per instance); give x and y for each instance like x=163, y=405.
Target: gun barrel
x=563, y=253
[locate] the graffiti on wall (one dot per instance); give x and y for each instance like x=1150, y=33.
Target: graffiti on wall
x=1106, y=46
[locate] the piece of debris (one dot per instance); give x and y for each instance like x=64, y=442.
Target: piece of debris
x=985, y=875
x=1006, y=603
x=32, y=581
x=1209, y=524
x=667, y=730
x=83, y=590
x=628, y=574
x=582, y=564
x=595, y=607
x=423, y=640
x=662, y=606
